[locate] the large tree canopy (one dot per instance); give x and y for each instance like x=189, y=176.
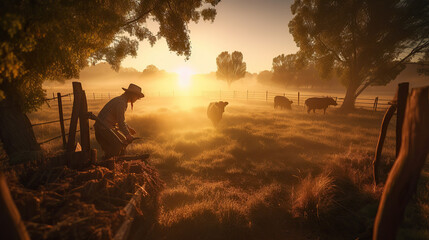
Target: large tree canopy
x=363, y=42
x=230, y=67
x=54, y=40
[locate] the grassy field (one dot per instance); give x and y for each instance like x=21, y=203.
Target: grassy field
x=262, y=173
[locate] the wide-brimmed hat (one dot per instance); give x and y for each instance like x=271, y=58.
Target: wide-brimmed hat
x=132, y=88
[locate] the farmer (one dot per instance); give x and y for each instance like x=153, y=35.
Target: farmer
x=111, y=131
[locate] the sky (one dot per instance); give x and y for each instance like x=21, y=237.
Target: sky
x=257, y=28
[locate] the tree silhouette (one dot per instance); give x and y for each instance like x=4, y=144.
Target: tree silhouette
x=54, y=40
x=291, y=70
x=230, y=67
x=150, y=69
x=285, y=69
x=364, y=42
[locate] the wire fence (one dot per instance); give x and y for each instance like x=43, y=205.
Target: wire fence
x=298, y=98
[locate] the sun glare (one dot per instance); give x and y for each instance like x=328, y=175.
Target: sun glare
x=184, y=79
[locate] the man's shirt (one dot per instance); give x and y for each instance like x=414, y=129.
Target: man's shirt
x=113, y=113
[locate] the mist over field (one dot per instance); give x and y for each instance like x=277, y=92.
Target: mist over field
x=263, y=173
x=101, y=78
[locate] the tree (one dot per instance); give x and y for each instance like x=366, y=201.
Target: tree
x=285, y=69
x=363, y=42
x=265, y=77
x=150, y=69
x=230, y=67
x=292, y=70
x=54, y=40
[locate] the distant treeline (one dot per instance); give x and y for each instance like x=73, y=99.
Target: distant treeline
x=310, y=78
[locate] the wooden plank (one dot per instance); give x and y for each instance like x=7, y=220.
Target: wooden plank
x=77, y=91
x=11, y=227
x=84, y=126
x=60, y=112
x=402, y=96
x=403, y=178
x=385, y=123
x=131, y=210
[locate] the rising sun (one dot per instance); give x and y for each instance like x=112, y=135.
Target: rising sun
x=184, y=79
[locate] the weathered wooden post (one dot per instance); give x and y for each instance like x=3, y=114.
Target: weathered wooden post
x=402, y=93
x=60, y=112
x=93, y=94
x=84, y=126
x=77, y=91
x=374, y=107
x=298, y=98
x=385, y=123
x=401, y=103
x=402, y=180
x=80, y=112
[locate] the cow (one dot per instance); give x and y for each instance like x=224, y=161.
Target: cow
x=215, y=111
x=319, y=103
x=282, y=102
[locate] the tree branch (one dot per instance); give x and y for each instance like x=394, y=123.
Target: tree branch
x=417, y=49
x=138, y=18
x=337, y=56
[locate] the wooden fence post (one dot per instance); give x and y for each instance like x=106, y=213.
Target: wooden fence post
x=84, y=126
x=77, y=99
x=375, y=104
x=385, y=123
x=60, y=112
x=403, y=177
x=298, y=98
x=93, y=94
x=401, y=103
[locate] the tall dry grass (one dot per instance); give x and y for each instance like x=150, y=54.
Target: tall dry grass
x=263, y=173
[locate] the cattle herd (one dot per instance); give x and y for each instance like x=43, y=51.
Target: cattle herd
x=216, y=109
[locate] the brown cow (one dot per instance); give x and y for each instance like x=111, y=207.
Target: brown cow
x=282, y=102
x=319, y=103
x=215, y=111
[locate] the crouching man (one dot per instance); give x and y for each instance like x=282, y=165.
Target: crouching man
x=111, y=131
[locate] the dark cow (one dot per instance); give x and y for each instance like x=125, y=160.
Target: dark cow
x=282, y=102
x=319, y=103
x=215, y=111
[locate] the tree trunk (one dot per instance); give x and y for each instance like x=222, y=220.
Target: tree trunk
x=349, y=100
x=16, y=134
